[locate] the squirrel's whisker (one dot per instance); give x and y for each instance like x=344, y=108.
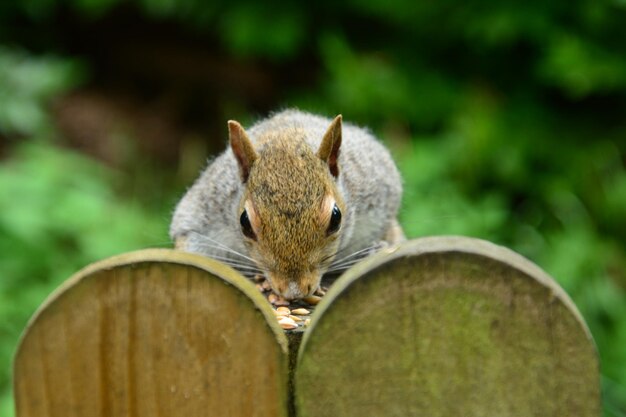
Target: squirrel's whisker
x=366, y=249
x=224, y=253
x=324, y=259
x=342, y=251
x=252, y=268
x=351, y=259
x=224, y=247
x=349, y=262
x=342, y=266
x=233, y=263
x=240, y=267
x=363, y=253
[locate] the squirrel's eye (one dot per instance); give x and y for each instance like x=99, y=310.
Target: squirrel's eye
x=335, y=220
x=246, y=227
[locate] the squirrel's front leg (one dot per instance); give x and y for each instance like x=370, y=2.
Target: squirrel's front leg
x=180, y=243
x=394, y=234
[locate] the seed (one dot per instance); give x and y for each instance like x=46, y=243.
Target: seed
x=321, y=291
x=277, y=300
x=307, y=322
x=295, y=318
x=287, y=323
x=312, y=299
x=301, y=311
x=282, y=311
x=286, y=320
x=280, y=301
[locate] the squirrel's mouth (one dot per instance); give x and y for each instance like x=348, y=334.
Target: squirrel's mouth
x=294, y=286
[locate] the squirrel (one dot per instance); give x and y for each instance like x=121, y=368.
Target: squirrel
x=296, y=196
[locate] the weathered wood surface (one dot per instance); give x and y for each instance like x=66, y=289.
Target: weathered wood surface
x=447, y=327
x=153, y=333
x=435, y=327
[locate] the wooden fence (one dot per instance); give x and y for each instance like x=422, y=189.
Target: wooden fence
x=443, y=326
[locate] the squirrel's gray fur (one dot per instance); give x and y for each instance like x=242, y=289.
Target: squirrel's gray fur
x=208, y=216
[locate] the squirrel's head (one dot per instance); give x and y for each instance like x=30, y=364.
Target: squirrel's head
x=291, y=211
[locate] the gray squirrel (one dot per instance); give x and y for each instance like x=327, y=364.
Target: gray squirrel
x=294, y=197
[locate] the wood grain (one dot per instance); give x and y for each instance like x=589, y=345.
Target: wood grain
x=447, y=327
x=153, y=333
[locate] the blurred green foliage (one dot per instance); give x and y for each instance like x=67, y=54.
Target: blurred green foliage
x=58, y=213
x=507, y=120
x=27, y=84
x=59, y=210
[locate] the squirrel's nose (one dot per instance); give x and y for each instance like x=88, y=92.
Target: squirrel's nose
x=291, y=289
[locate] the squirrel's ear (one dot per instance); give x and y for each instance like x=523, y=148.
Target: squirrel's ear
x=242, y=148
x=329, y=148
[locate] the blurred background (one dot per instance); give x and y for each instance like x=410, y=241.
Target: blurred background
x=508, y=120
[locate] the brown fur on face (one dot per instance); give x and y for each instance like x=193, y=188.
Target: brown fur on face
x=290, y=187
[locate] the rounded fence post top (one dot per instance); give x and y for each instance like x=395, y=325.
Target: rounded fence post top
x=447, y=326
x=442, y=245
x=169, y=256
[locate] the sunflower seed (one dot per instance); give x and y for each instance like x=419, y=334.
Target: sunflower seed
x=312, y=299
x=282, y=311
x=287, y=323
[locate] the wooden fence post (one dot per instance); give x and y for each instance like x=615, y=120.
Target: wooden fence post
x=447, y=327
x=153, y=333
